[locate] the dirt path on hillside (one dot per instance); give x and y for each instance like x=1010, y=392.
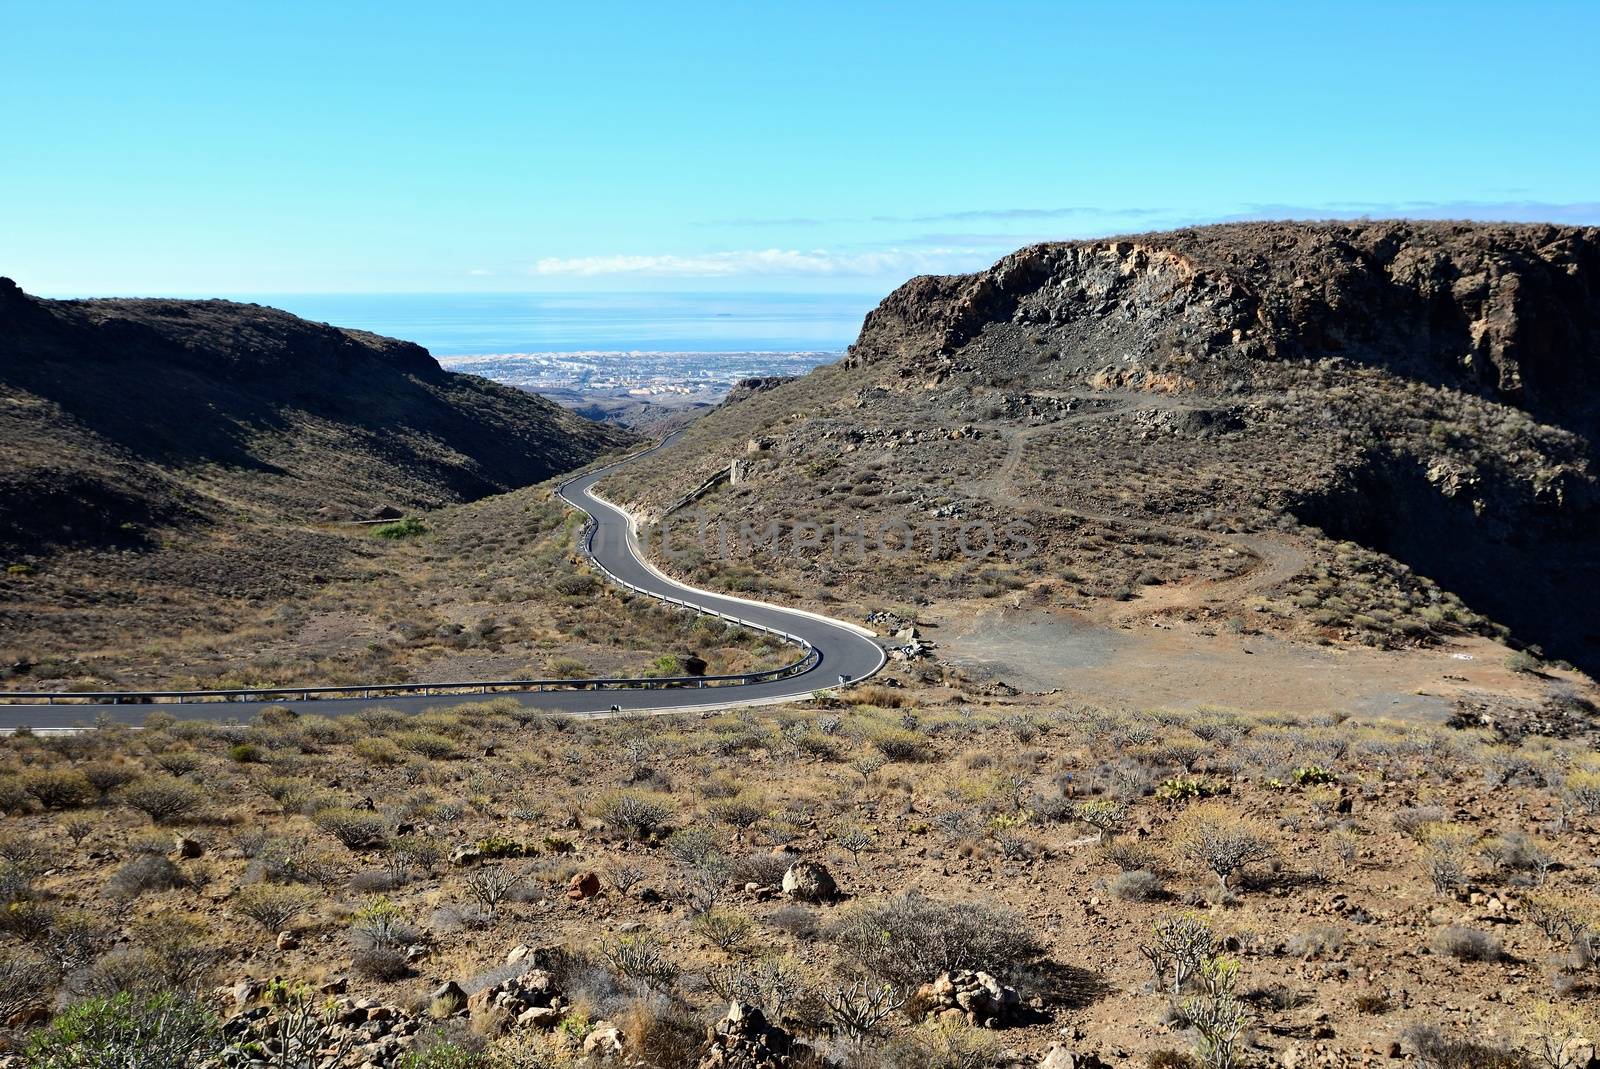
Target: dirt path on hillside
x=1276, y=559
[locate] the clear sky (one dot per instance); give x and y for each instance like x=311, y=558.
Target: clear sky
x=232, y=147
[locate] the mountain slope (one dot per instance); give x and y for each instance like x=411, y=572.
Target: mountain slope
x=1190, y=421
x=170, y=471
x=123, y=414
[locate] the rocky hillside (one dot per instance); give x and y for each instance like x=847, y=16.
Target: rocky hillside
x=169, y=468
x=121, y=415
x=1367, y=418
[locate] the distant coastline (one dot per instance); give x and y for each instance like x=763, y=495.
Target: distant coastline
x=494, y=324
x=644, y=373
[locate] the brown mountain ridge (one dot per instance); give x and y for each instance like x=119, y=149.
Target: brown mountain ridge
x=172, y=474
x=1378, y=432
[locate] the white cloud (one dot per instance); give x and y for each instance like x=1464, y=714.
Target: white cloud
x=793, y=262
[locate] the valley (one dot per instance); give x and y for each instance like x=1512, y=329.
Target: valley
x=1228, y=669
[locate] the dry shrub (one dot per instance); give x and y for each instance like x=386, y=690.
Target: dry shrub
x=881, y=696
x=909, y=940
x=60, y=788
x=149, y=872
x=358, y=829
x=1215, y=837
x=1467, y=944
x=271, y=906
x=1138, y=885
x=164, y=799
x=1439, y=1050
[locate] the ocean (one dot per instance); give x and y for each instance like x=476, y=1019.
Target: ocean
x=482, y=324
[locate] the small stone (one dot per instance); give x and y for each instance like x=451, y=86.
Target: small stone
x=288, y=941
x=1058, y=1057
x=449, y=993
x=603, y=1040
x=583, y=885
x=246, y=991
x=541, y=1017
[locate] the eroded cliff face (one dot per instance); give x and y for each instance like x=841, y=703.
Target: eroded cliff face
x=1426, y=390
x=1511, y=312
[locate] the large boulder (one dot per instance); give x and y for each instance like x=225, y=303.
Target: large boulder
x=809, y=881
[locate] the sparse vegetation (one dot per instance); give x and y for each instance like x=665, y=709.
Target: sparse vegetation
x=432, y=861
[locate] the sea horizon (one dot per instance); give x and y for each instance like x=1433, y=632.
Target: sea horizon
x=500, y=324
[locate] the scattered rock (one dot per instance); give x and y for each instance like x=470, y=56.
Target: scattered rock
x=515, y=996
x=246, y=991
x=604, y=1040
x=977, y=997
x=288, y=941
x=543, y=1018
x=809, y=881
x=583, y=885
x=744, y=1040
x=1059, y=1057
x=449, y=993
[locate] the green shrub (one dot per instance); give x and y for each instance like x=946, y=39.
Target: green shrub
x=407, y=527
x=1313, y=776
x=13, y=796
x=496, y=846
x=293, y=793
x=1524, y=662
x=1185, y=788
x=377, y=751
x=741, y=812
x=245, y=753
x=125, y=1032
x=445, y=1055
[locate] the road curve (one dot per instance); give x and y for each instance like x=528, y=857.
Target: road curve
x=843, y=649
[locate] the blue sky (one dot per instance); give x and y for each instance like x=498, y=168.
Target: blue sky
x=225, y=148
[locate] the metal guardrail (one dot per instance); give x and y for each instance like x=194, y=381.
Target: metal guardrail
x=806, y=662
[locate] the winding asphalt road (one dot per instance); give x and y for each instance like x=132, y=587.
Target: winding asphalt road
x=843, y=649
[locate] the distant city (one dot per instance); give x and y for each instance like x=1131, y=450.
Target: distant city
x=642, y=374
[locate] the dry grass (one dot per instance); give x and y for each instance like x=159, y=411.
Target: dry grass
x=968, y=816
